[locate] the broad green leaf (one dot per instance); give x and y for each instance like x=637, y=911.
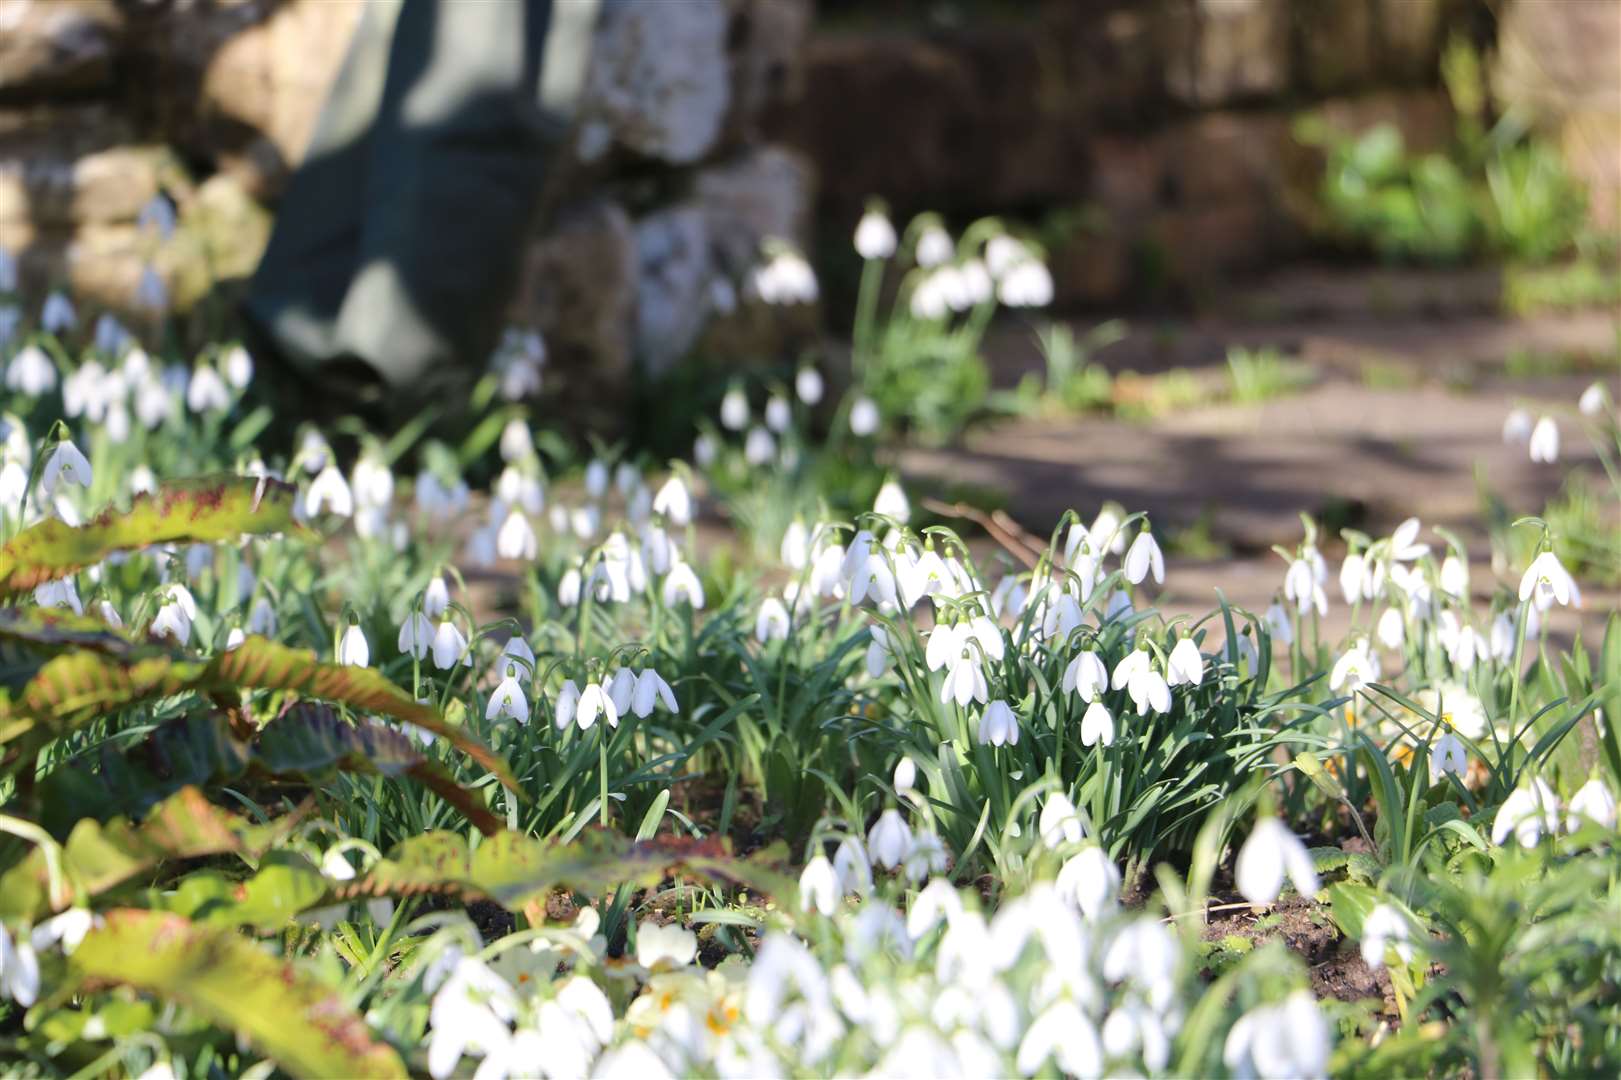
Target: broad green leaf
x=54, y=629
x=203, y=509
x=286, y=1013
x=99, y=857
x=1349, y=905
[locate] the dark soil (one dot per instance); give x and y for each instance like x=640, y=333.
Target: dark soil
x=1333, y=962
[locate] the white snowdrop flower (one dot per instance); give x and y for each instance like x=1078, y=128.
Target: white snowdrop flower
x=1184, y=665
x=1270, y=854
x=778, y=416
x=1280, y=1042
x=808, y=385
x=516, y=442
x=238, y=367
x=585, y=521
x=1060, y=822
x=329, y=491
x=19, y=970
x=627, y=478
x=262, y=618
x=877, y=652
x=1353, y=574
x=207, y=391
x=1009, y=596
x=681, y=586
x=976, y=282
x=517, y=652
x=151, y=294
x=372, y=482
x=415, y=636
x=1003, y=253
x=1097, y=725
x=892, y=502
x=109, y=613
x=153, y=404
x=1090, y=881
x=1384, y=928
x=657, y=550
x=596, y=478
x=1356, y=668
x=930, y=300
x=1144, y=556
x=516, y=538
x=785, y=279
x=58, y=315
x=1593, y=802
x=905, y=775
x=66, y=464
x=819, y=886
x=450, y=647
x=875, y=236
x=1062, y=1034
x=926, y=856
x=759, y=447
x=1278, y=625
x=934, y=246
x=157, y=214
x=436, y=597
x=796, y=550
x=1148, y=689
x=31, y=372
x=59, y=593
x=734, y=410
x=568, y=587
x=661, y=948
x=1529, y=813
x=1593, y=400
x=863, y=417
x=674, y=501
x=1447, y=755
x=1300, y=585
x=998, y=725
x=67, y=930
x=1545, y=441
x=651, y=690
x=771, y=624
x=353, y=650
x=1086, y=676
x=1517, y=426
x=620, y=689
x=889, y=839
x=568, y=704
x=704, y=450
x=964, y=681
x=1455, y=576
x=1546, y=581
x=508, y=699
x=235, y=638
x=850, y=863
x=595, y=701
x=1027, y=285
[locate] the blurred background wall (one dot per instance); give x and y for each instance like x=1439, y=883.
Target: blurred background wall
x=1153, y=143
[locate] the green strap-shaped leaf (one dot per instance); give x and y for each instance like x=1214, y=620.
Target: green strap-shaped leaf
x=283, y=1011
x=203, y=509
x=71, y=689
x=54, y=629
x=99, y=857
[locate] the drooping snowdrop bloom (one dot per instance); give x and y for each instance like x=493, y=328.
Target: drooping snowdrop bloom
x=1144, y=556
x=1027, y=285
x=31, y=372
x=1353, y=574
x=864, y=417
x=1184, y=666
x=1517, y=426
x=1593, y=802
x=207, y=392
x=1385, y=928
x=508, y=700
x=66, y=464
x=58, y=315
x=674, y=501
x=786, y=279
x=1060, y=822
x=372, y=482
x=965, y=681
x=904, y=778
x=819, y=886
x=934, y=246
x=567, y=705
x=892, y=502
x=329, y=491
x=595, y=700
x=778, y=416
x=435, y=598
x=1546, y=582
x=450, y=647
x=999, y=725
x=1529, y=813
x=1278, y=625
x=1455, y=576
x=1280, y=1042
x=651, y=690
x=771, y=624
x=681, y=586
x=1300, y=585
x=1064, y=1035
x=59, y=593
x=734, y=409
x=1447, y=755
x=1135, y=674
x=1544, y=444
x=661, y=948
x=1086, y=676
x=875, y=236
x=1356, y=668
x=889, y=839
x=238, y=367
x=808, y=385
x=1270, y=854
x=19, y=970
x=1593, y=400
x=597, y=478
x=353, y=650
x=516, y=538
x=759, y=447
x=262, y=618
x=1089, y=880
x=1097, y=725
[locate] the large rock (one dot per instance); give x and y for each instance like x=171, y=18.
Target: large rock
x=675, y=283
x=767, y=40
x=65, y=167
x=660, y=83
x=1225, y=51
x=51, y=46
x=764, y=192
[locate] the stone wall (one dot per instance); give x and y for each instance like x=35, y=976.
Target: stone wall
x=103, y=104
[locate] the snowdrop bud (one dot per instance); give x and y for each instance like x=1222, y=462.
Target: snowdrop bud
x=1455, y=576
x=808, y=385
x=1392, y=629
x=734, y=410
x=1545, y=441
x=778, y=416
x=353, y=651
x=1144, y=556
x=934, y=246
x=889, y=840
x=1593, y=802
x=1270, y=854
x=435, y=598
x=863, y=417
x=620, y=689
x=905, y=777
x=568, y=588
x=875, y=236
x=151, y=294
x=516, y=441
x=516, y=538
x=674, y=501
x=892, y=502
x=1593, y=400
